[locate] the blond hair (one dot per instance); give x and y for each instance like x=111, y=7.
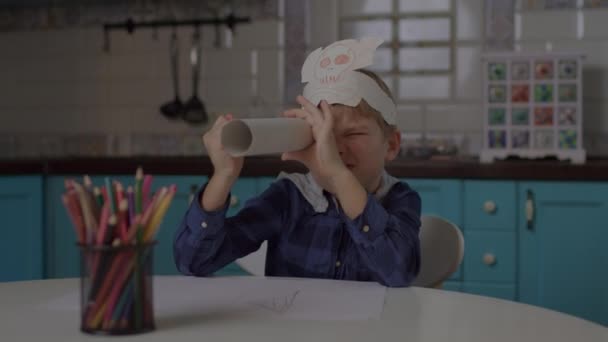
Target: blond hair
x=365, y=110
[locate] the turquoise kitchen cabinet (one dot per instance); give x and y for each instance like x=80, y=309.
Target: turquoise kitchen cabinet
x=21, y=235
x=541, y=243
x=490, y=238
x=502, y=291
x=490, y=205
x=442, y=198
x=264, y=183
x=563, y=239
x=244, y=189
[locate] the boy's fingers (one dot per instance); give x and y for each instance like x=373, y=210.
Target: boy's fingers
x=293, y=113
x=325, y=109
x=218, y=122
x=329, y=118
x=288, y=156
x=298, y=156
x=301, y=114
x=310, y=109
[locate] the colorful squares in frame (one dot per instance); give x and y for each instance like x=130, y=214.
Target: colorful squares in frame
x=497, y=71
x=532, y=103
x=497, y=138
x=543, y=70
x=520, y=139
x=543, y=116
x=568, y=69
x=566, y=116
x=567, y=92
x=520, y=116
x=543, y=139
x=543, y=93
x=497, y=116
x=497, y=94
x=520, y=71
x=567, y=139
x=520, y=93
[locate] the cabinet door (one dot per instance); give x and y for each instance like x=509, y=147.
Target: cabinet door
x=21, y=234
x=442, y=198
x=490, y=239
x=502, y=291
x=242, y=190
x=264, y=183
x=563, y=255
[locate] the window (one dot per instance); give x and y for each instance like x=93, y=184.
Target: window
x=418, y=55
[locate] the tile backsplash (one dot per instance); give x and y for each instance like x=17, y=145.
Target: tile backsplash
x=61, y=93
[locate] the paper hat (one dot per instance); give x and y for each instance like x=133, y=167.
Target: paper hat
x=331, y=76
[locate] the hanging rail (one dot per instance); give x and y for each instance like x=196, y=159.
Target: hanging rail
x=130, y=25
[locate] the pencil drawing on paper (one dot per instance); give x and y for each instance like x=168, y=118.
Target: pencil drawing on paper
x=278, y=305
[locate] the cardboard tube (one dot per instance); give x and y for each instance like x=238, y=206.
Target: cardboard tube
x=249, y=137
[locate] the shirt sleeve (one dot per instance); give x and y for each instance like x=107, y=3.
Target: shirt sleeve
x=386, y=237
x=206, y=241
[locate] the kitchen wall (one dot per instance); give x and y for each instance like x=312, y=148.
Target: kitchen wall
x=580, y=26
x=61, y=93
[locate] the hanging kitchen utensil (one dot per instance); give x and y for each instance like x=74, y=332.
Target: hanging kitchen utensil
x=174, y=109
x=194, y=111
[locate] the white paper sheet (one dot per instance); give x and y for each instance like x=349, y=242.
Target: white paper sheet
x=258, y=297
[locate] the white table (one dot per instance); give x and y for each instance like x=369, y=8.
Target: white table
x=409, y=314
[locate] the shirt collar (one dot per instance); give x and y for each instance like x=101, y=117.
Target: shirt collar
x=313, y=192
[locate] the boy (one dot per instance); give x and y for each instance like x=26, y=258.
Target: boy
x=345, y=219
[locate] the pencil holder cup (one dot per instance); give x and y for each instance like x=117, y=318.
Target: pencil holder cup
x=116, y=295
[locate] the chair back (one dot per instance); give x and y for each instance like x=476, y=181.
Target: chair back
x=441, y=251
x=254, y=263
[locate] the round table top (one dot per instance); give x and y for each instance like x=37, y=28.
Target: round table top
x=409, y=314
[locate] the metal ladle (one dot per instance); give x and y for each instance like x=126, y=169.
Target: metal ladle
x=174, y=109
x=194, y=111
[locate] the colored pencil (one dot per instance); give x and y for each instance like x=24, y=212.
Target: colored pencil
x=113, y=224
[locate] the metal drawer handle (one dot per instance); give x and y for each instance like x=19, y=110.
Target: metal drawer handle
x=489, y=259
x=489, y=207
x=530, y=210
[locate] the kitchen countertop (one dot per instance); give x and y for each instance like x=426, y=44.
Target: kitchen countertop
x=457, y=168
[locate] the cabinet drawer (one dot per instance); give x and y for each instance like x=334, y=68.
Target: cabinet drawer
x=440, y=197
x=489, y=256
x=490, y=205
x=502, y=291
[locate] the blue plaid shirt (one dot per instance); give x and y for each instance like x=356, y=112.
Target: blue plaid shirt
x=379, y=245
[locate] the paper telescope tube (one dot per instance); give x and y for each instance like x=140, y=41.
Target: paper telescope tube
x=249, y=137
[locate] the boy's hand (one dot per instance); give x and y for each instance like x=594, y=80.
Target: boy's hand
x=224, y=165
x=322, y=158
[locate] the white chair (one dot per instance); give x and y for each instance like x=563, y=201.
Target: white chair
x=254, y=263
x=441, y=251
